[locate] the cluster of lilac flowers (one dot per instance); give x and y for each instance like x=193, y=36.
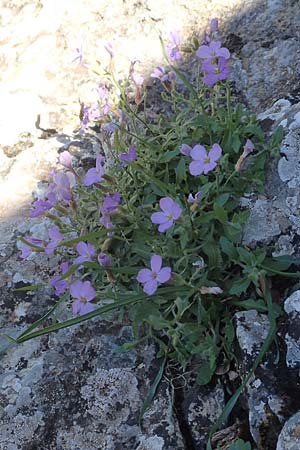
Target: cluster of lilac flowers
x=100, y=107
x=108, y=207
x=215, y=62
x=215, y=68
x=128, y=157
x=173, y=48
x=95, y=174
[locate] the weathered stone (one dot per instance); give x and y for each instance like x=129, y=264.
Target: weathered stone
x=251, y=331
x=82, y=393
x=289, y=438
x=292, y=336
x=201, y=408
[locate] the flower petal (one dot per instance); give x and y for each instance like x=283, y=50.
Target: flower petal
x=176, y=211
x=198, y=153
x=156, y=262
x=144, y=275
x=165, y=226
x=185, y=150
x=215, y=153
x=76, y=289
x=92, y=177
x=80, y=259
x=166, y=204
x=76, y=306
x=224, y=53
x=88, y=292
x=159, y=218
x=196, y=168
x=164, y=275
x=209, y=167
x=203, y=52
x=87, y=308
x=150, y=287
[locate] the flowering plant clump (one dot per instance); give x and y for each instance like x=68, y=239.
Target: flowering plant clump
x=165, y=194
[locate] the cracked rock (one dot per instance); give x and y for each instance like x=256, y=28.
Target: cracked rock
x=292, y=336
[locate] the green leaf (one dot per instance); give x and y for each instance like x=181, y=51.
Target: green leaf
x=30, y=287
x=228, y=248
x=158, y=322
x=180, y=171
x=168, y=156
x=220, y=213
x=222, y=199
x=213, y=252
x=239, y=286
x=280, y=262
x=236, y=142
x=240, y=445
x=205, y=372
x=246, y=256
x=252, y=303
x=229, y=331
x=184, y=237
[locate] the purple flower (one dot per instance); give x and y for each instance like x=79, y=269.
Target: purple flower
x=109, y=127
x=94, y=112
x=214, y=73
x=185, y=150
x=173, y=49
x=86, y=118
x=84, y=292
x=26, y=250
x=215, y=290
x=151, y=278
x=111, y=202
x=137, y=79
x=171, y=212
x=41, y=206
x=160, y=73
x=86, y=252
x=65, y=159
x=79, y=53
x=108, y=47
x=203, y=162
x=95, y=175
x=248, y=148
x=171, y=76
x=105, y=220
x=103, y=99
x=55, y=237
x=62, y=184
x=213, y=51
x=195, y=200
x=104, y=260
x=130, y=156
x=57, y=283
x=214, y=25
x=109, y=205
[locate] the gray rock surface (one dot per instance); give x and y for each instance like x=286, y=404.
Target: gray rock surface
x=75, y=390
x=251, y=331
x=201, y=408
x=289, y=438
x=274, y=216
x=292, y=336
